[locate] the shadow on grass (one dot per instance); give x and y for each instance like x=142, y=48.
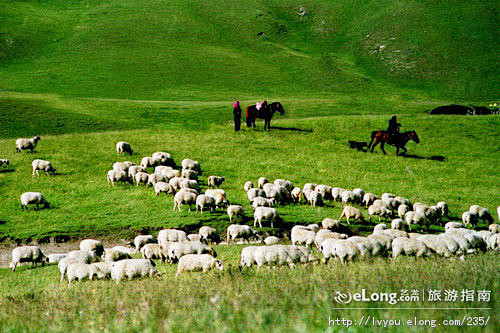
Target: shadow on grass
x=2, y=222
x=293, y=129
x=7, y=170
x=438, y=158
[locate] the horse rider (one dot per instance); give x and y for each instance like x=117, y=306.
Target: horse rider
x=237, y=116
x=393, y=129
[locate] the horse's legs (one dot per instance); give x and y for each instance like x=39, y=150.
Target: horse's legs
x=397, y=150
x=382, y=147
x=374, y=145
x=404, y=150
x=370, y=144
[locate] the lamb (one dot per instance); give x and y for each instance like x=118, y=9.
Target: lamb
x=123, y=166
x=325, y=191
x=378, y=210
x=184, y=198
x=265, y=213
x=4, y=161
x=46, y=166
x=263, y=202
x=248, y=185
x=254, y=193
x=240, y=231
x=198, y=262
x=402, y=210
x=235, y=210
x=302, y=236
x=32, y=254
x=80, y=272
x=399, y=224
x=92, y=245
x=416, y=218
x=123, y=147
x=347, y=197
x=469, y=219
x=296, y=194
x=25, y=144
x=171, y=235
x=162, y=187
x=324, y=234
x=271, y=240
x=115, y=255
x=285, y=183
x=451, y=225
x=179, y=249
x=118, y=176
x=409, y=247
x=443, y=207
x=133, y=267
x=55, y=258
x=215, y=181
x=358, y=195
x=481, y=213
x=141, y=240
x=33, y=198
x=191, y=165
x=349, y=212
x=103, y=269
x=208, y=234
x=315, y=199
x=494, y=228
x=134, y=169
x=152, y=251
x=204, y=201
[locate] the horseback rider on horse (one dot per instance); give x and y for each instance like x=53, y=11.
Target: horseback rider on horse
x=393, y=130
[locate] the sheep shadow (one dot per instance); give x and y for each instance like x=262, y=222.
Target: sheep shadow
x=2, y=222
x=438, y=158
x=293, y=129
x=7, y=170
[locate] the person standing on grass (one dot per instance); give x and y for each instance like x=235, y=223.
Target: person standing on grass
x=237, y=116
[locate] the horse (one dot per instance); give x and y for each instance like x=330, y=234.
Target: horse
x=400, y=140
x=265, y=112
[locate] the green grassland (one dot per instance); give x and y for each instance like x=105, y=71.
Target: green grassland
x=163, y=75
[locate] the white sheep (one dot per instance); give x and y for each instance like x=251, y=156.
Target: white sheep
x=385, y=196
x=384, y=239
x=46, y=166
x=123, y=147
x=420, y=207
x=178, y=249
x=189, y=174
x=494, y=242
x=271, y=240
x=436, y=244
x=203, y=201
x=337, y=193
x=163, y=158
x=402, y=201
x=248, y=185
x=399, y=224
x=443, y=207
x=198, y=262
x=341, y=249
x=176, y=182
x=348, y=197
x=235, y=210
x=84, y=257
x=219, y=196
x=80, y=272
x=184, y=198
x=313, y=226
x=285, y=183
x=4, y=161
x=124, y=249
x=309, y=186
x=402, y=210
x=116, y=255
x=240, y=231
x=54, y=258
x=420, y=219
x=191, y=165
x=481, y=213
x=378, y=210
x=103, y=269
x=141, y=240
x=433, y=214
x=315, y=199
x=33, y=198
x=171, y=235
x=248, y=256
x=494, y=228
x=32, y=254
x=25, y=144
x=324, y=190
x=469, y=219
x=152, y=251
x=329, y=223
x=265, y=213
x=368, y=246
x=118, y=176
x=263, y=202
x=209, y=235
x=149, y=162
x=302, y=236
x=409, y=247
x=162, y=187
x=132, y=268
x=324, y=234
x=451, y=225
x=190, y=183
x=272, y=255
x=392, y=233
x=141, y=178
x=296, y=194
x=349, y=212
x=261, y=181
x=134, y=169
x=123, y=166
x=92, y=245
x=358, y=195
x=215, y=181
x=255, y=192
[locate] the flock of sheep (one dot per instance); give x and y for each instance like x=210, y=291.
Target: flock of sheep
x=193, y=253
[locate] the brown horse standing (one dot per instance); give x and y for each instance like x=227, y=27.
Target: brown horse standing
x=399, y=141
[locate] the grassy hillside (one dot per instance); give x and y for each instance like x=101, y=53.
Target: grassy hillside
x=211, y=50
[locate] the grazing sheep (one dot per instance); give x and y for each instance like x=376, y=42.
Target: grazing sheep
x=359, y=194
x=161, y=169
x=162, y=187
x=184, y=198
x=433, y=214
x=176, y=182
x=103, y=269
x=32, y=254
x=272, y=255
x=92, y=245
x=116, y=255
x=134, y=169
x=123, y=166
x=261, y=181
x=296, y=194
x=386, y=196
x=141, y=178
x=235, y=210
x=189, y=183
x=494, y=242
x=194, y=237
x=220, y=199
x=402, y=201
x=436, y=244
x=265, y=213
x=46, y=166
x=189, y=174
x=469, y=219
x=204, y=201
x=451, y=225
x=494, y=228
x=391, y=203
x=329, y=223
x=409, y=247
x=152, y=251
x=141, y=240
x=324, y=234
x=263, y=202
x=171, y=235
x=341, y=249
x=384, y=239
x=240, y=231
x=33, y=198
x=153, y=179
x=163, y=158
x=124, y=249
x=325, y=191
x=349, y=212
x=310, y=186
x=416, y=218
x=414, y=235
x=80, y=271
x=132, y=268
x=248, y=256
x=368, y=246
x=248, y=185
x=285, y=183
x=420, y=207
x=392, y=233
x=399, y=224
x=378, y=210
x=302, y=236
x=25, y=144
x=379, y=227
x=198, y=262
x=84, y=257
x=118, y=176
x=4, y=161
x=149, y=162
x=313, y=226
x=215, y=181
x=337, y=193
x=481, y=213
x=271, y=240
x=179, y=249
x=402, y=210
x=347, y=197
x=123, y=147
x=191, y=165
x=63, y=266
x=443, y=207
x=54, y=258
x=254, y=193
x=315, y=199
x=209, y=235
